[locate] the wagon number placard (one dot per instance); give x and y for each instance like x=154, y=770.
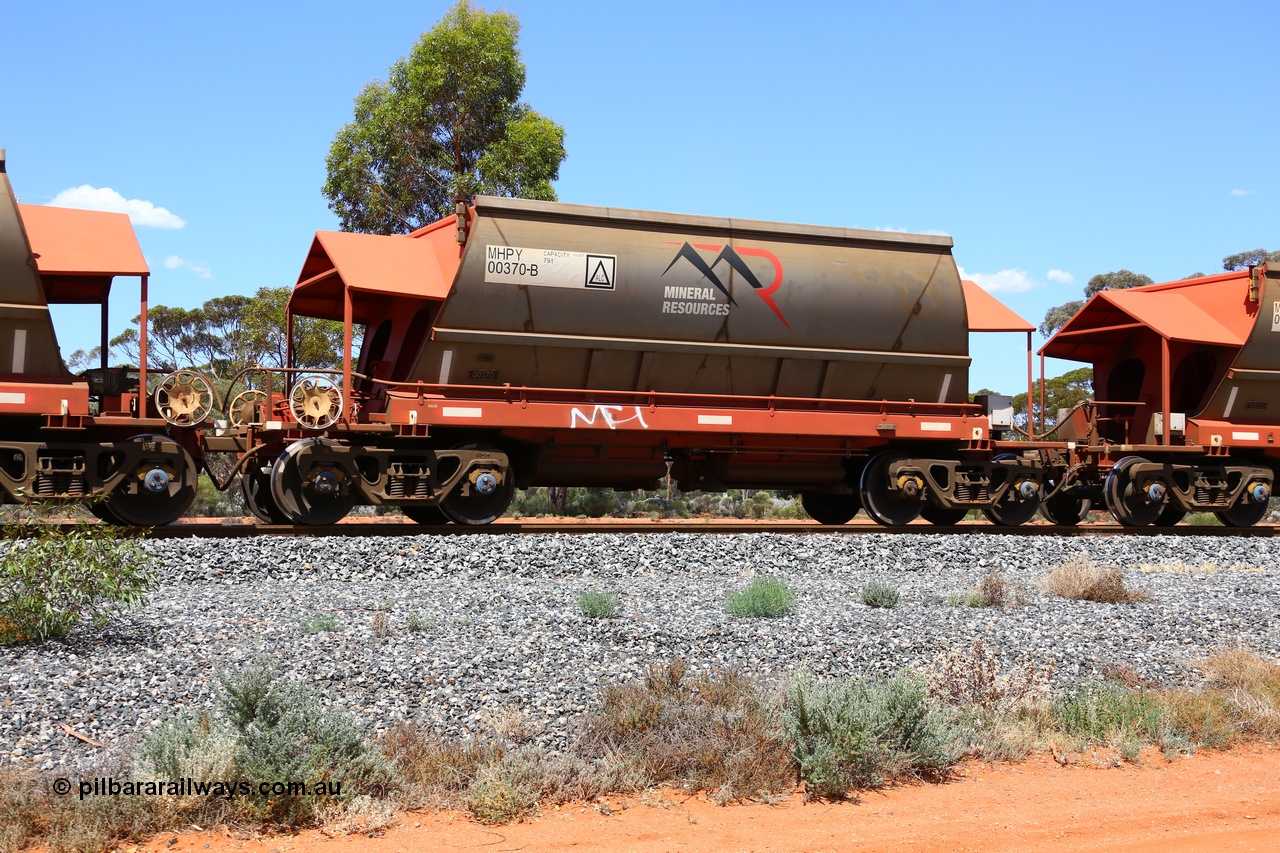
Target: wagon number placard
x=549, y=268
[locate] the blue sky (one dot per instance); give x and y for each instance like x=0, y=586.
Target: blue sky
x=1052, y=141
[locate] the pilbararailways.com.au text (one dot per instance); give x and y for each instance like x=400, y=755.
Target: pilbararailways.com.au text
x=228, y=790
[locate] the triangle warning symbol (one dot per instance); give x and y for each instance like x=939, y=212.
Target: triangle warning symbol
x=600, y=276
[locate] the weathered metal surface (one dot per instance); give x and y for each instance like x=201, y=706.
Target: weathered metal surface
x=28, y=344
x=569, y=296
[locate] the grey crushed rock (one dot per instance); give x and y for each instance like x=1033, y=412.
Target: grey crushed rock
x=506, y=632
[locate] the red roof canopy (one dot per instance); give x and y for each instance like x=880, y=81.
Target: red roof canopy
x=1210, y=310
x=988, y=314
x=79, y=251
x=421, y=265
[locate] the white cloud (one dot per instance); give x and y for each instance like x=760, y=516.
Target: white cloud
x=1060, y=276
x=895, y=230
x=140, y=212
x=1005, y=281
x=1244, y=192
x=174, y=262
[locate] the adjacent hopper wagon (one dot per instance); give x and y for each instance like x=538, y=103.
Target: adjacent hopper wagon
x=527, y=343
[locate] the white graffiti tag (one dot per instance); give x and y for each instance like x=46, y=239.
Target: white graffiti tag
x=609, y=415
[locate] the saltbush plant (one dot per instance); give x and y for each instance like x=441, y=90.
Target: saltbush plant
x=322, y=623
x=880, y=594
x=57, y=573
x=271, y=729
x=765, y=596
x=849, y=734
x=596, y=604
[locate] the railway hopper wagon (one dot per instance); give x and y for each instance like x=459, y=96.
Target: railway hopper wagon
x=95, y=437
x=1187, y=402
x=523, y=343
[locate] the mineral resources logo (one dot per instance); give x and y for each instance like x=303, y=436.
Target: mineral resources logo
x=702, y=300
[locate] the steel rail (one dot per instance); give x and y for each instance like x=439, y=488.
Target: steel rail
x=238, y=530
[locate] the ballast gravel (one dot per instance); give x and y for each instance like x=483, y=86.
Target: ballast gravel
x=499, y=627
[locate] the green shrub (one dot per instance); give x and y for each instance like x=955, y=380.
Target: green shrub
x=420, y=622
x=851, y=734
x=211, y=503
x=992, y=591
x=880, y=594
x=1109, y=714
x=55, y=575
x=318, y=623
x=598, y=605
x=766, y=596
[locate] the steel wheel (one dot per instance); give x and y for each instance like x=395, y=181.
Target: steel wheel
x=255, y=488
x=882, y=504
x=935, y=514
x=1171, y=516
x=1013, y=509
x=482, y=495
x=1129, y=506
x=432, y=516
x=1243, y=514
x=310, y=494
x=160, y=487
x=101, y=511
x=830, y=508
x=1065, y=510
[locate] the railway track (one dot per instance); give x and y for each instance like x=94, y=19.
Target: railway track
x=241, y=530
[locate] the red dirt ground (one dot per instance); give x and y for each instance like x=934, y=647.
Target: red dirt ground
x=1222, y=801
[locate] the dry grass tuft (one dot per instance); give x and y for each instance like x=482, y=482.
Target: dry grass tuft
x=710, y=733
x=1206, y=568
x=973, y=677
x=24, y=810
x=1081, y=579
x=1251, y=685
x=1002, y=716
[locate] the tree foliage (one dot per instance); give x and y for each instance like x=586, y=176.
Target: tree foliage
x=1251, y=258
x=1056, y=317
x=1060, y=392
x=226, y=335
x=1118, y=280
x=447, y=123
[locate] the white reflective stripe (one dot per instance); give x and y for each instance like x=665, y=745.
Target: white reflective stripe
x=934, y=426
x=462, y=412
x=19, y=351
x=1244, y=436
x=9, y=397
x=446, y=361
x=946, y=386
x=723, y=420
x=1231, y=400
